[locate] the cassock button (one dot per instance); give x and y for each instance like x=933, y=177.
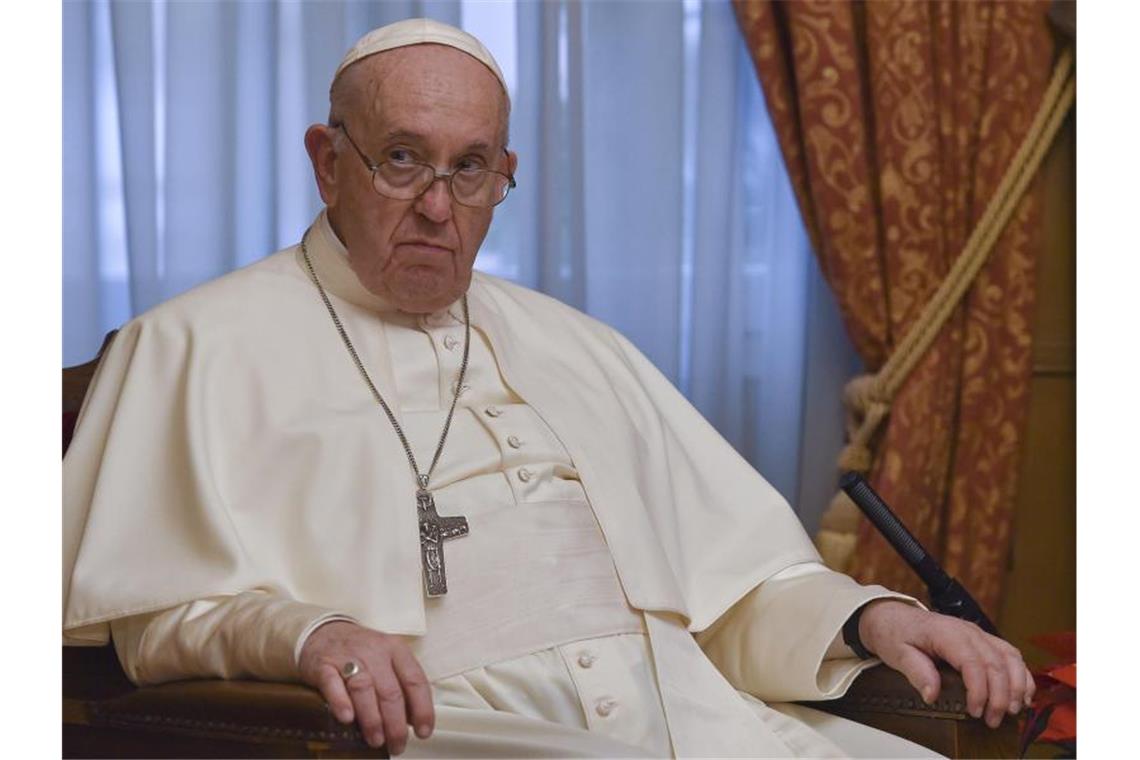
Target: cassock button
x=492, y=411
x=605, y=707
x=525, y=475
x=586, y=660
x=514, y=442
x=449, y=342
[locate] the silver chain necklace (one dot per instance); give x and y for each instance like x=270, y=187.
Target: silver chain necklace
x=434, y=530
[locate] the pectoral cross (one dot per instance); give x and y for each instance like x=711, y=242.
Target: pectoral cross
x=434, y=530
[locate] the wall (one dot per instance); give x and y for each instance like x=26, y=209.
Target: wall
x=1041, y=584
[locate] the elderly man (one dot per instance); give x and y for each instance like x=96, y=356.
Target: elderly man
x=451, y=503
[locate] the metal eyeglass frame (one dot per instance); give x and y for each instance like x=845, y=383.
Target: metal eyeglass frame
x=373, y=167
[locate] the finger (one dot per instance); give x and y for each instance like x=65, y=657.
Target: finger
x=417, y=694
x=1016, y=670
x=1030, y=687
x=956, y=645
x=392, y=710
x=921, y=671
x=974, y=676
x=331, y=686
x=362, y=690
x=998, y=697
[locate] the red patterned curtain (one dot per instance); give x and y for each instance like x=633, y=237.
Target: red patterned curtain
x=897, y=120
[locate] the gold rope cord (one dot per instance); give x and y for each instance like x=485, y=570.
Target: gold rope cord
x=867, y=398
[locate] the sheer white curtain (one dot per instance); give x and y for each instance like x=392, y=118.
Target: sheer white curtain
x=651, y=190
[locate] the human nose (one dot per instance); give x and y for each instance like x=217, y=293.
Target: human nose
x=435, y=202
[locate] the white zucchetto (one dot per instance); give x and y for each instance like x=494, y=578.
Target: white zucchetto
x=418, y=31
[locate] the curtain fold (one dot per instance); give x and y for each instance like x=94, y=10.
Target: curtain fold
x=633, y=167
x=897, y=121
x=82, y=293
x=135, y=85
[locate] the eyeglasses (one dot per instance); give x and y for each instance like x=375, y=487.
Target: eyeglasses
x=405, y=179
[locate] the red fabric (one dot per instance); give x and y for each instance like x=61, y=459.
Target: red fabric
x=1056, y=690
x=1061, y=644
x=897, y=120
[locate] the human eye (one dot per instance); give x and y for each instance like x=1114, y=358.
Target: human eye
x=469, y=163
x=400, y=156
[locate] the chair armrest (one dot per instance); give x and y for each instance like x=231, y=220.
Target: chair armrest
x=883, y=689
x=105, y=715
x=882, y=698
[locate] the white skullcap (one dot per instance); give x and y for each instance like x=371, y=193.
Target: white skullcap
x=417, y=31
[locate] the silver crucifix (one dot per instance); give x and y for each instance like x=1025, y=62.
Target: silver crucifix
x=434, y=530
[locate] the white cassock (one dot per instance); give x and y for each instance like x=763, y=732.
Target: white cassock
x=232, y=484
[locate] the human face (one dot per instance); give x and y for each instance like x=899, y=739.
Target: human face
x=434, y=104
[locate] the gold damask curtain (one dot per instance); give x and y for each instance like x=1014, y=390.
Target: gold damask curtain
x=897, y=120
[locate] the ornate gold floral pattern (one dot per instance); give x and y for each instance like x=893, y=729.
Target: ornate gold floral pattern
x=897, y=120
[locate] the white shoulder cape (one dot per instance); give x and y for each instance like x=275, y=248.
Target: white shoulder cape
x=228, y=443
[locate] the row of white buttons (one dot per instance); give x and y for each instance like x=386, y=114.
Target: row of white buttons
x=605, y=705
x=512, y=440
x=450, y=342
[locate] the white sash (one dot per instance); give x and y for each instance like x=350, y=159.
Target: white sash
x=525, y=578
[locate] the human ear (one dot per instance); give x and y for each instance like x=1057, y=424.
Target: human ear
x=322, y=154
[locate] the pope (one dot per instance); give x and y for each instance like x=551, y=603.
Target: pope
x=477, y=520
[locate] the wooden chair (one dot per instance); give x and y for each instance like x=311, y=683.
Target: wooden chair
x=105, y=715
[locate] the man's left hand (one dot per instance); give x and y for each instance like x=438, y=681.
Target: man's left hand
x=907, y=638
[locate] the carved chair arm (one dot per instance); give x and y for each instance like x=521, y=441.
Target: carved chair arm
x=104, y=715
x=882, y=698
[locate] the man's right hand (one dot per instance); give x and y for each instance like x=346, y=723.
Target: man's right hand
x=389, y=693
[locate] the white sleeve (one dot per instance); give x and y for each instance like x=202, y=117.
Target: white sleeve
x=783, y=640
x=838, y=649
x=253, y=634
